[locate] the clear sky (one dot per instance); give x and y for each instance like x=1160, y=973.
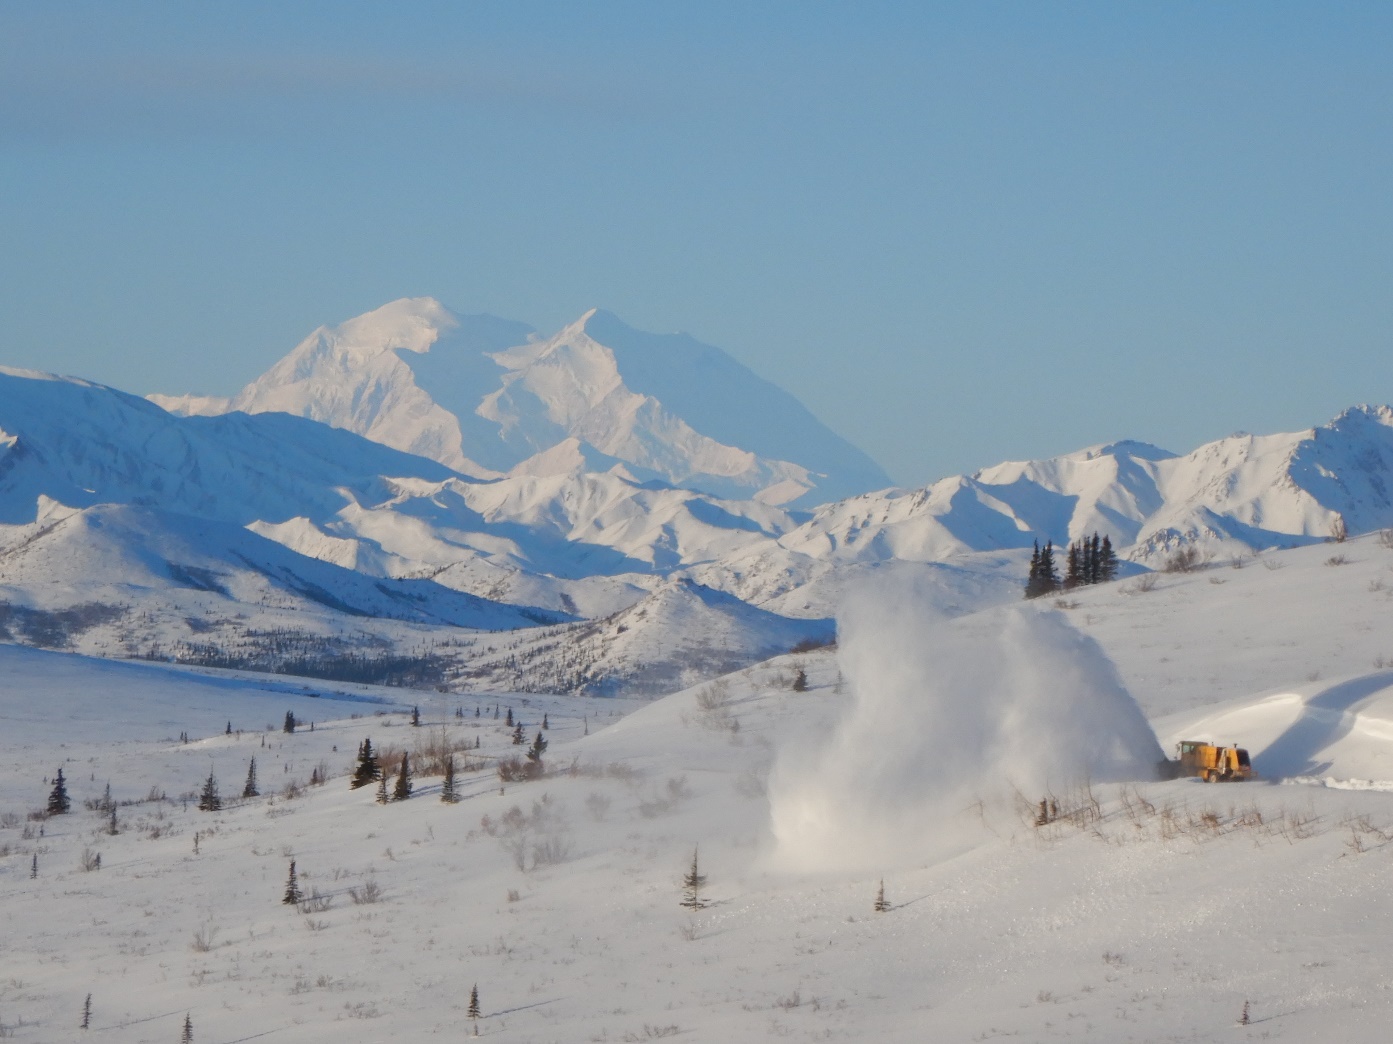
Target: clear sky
x=960, y=233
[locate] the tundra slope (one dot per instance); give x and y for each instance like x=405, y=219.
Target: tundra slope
x=1098, y=934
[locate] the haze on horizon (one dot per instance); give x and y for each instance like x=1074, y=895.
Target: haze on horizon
x=958, y=236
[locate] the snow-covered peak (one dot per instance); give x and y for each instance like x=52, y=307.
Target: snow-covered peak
x=483, y=395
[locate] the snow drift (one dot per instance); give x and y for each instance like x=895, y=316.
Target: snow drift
x=947, y=716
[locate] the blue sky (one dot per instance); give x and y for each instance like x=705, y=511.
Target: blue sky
x=959, y=232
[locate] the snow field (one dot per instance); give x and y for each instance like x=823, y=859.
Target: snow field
x=1144, y=911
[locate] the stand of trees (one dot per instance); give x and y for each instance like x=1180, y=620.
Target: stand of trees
x=1091, y=560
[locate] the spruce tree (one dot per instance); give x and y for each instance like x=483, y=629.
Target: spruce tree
x=87, y=1013
x=1073, y=573
x=1032, y=580
x=881, y=905
x=448, y=793
x=402, y=790
x=1049, y=575
x=509, y=722
x=691, y=886
x=58, y=802
x=289, y=725
x=517, y=735
x=474, y=1012
x=416, y=717
x=381, y=795
x=535, y=752
x=1107, y=562
x=34, y=866
x=367, y=770
x=249, y=790
x=187, y=1036
x=292, y=895
x=209, y=801
x=800, y=680
x=546, y=722
x=111, y=823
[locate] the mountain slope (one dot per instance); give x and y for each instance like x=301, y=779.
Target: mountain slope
x=479, y=395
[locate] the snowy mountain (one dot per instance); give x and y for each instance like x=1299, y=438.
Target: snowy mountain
x=1232, y=496
x=485, y=397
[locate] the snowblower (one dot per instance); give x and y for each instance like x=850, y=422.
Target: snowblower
x=1209, y=761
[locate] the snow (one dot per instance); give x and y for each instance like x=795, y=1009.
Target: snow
x=482, y=395
x=1155, y=914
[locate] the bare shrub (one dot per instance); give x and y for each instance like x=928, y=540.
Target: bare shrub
x=715, y=696
x=366, y=894
x=516, y=770
x=1184, y=560
x=1273, y=564
x=1337, y=560
x=89, y=861
x=204, y=938
x=551, y=850
x=315, y=902
x=1142, y=584
x=10, y=820
x=598, y=806
x=1339, y=532
x=1064, y=603
x=434, y=748
x=1385, y=538
x=534, y=838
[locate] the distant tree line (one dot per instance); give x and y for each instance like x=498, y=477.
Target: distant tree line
x=1091, y=560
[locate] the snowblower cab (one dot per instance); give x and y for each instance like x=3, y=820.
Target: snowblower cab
x=1211, y=762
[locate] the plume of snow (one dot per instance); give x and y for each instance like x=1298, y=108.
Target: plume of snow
x=949, y=719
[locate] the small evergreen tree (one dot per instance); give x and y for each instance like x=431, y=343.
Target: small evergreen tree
x=1073, y=572
x=249, y=790
x=448, y=793
x=535, y=752
x=381, y=795
x=517, y=735
x=416, y=717
x=111, y=823
x=58, y=801
x=292, y=895
x=881, y=905
x=402, y=790
x=692, y=884
x=546, y=722
x=509, y=722
x=209, y=801
x=1107, y=561
x=187, y=1036
x=474, y=1011
x=34, y=866
x=87, y=1013
x=800, y=680
x=367, y=770
x=289, y=725
x=1049, y=575
x=229, y=728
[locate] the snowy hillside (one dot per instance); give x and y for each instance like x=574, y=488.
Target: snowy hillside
x=679, y=634
x=1138, y=911
x=484, y=397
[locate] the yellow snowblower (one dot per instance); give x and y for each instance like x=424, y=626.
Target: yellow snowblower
x=1210, y=762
